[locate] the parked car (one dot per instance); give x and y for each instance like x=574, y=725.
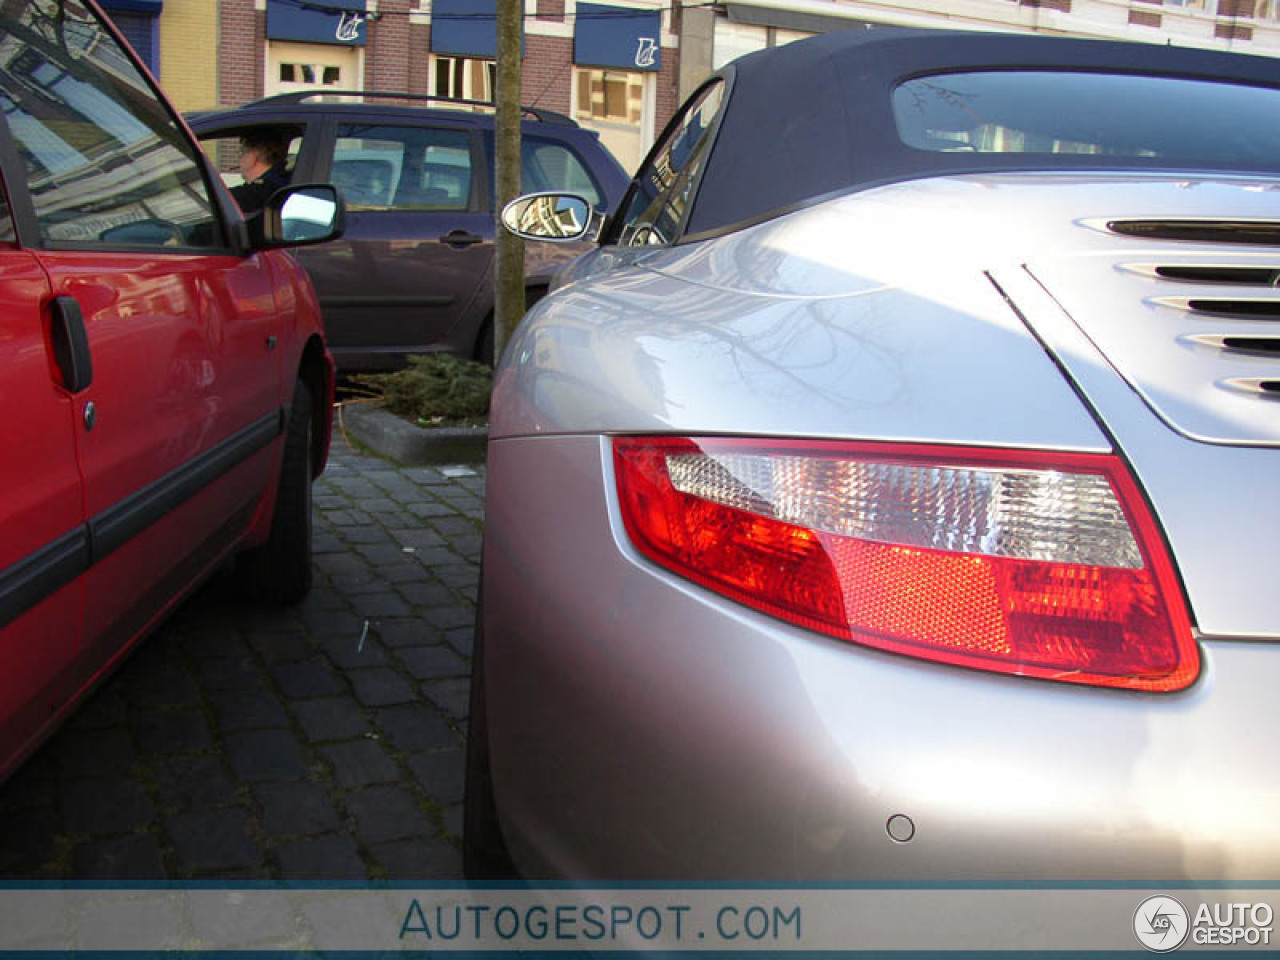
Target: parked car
x=890, y=495
x=413, y=271
x=163, y=375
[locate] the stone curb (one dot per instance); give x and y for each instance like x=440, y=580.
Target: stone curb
x=396, y=438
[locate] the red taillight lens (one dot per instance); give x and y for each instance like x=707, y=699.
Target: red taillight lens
x=1039, y=564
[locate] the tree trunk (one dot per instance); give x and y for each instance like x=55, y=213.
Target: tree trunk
x=508, y=274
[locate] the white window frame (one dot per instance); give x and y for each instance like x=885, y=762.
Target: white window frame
x=450, y=65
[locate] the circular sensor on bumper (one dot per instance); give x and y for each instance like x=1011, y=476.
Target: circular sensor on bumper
x=901, y=828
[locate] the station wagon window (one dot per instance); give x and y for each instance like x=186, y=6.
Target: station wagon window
x=227, y=150
x=660, y=194
x=402, y=168
x=1153, y=121
x=105, y=163
x=547, y=166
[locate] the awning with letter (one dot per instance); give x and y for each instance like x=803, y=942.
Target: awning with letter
x=323, y=21
x=609, y=36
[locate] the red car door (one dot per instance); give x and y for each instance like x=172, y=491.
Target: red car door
x=43, y=542
x=184, y=403
x=178, y=432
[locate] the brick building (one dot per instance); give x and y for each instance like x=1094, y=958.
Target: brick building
x=612, y=65
x=713, y=34
x=617, y=66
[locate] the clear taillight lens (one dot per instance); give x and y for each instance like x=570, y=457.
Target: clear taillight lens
x=1040, y=564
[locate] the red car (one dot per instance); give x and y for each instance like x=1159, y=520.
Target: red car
x=165, y=388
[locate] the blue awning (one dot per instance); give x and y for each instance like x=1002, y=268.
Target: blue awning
x=607, y=36
x=465, y=27
x=153, y=7
x=321, y=21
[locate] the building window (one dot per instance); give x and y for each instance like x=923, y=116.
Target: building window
x=140, y=30
x=312, y=74
x=782, y=37
x=464, y=78
x=1206, y=5
x=1267, y=10
x=733, y=40
x=611, y=95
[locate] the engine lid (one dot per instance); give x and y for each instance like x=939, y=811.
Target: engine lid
x=1189, y=315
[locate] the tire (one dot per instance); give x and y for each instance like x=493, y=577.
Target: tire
x=279, y=571
x=484, y=852
x=484, y=345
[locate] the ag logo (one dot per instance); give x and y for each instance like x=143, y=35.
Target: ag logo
x=348, y=27
x=646, y=51
x=1161, y=924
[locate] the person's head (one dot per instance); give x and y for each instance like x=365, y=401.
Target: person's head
x=259, y=152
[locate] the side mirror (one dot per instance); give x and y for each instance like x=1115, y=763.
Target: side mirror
x=561, y=217
x=301, y=215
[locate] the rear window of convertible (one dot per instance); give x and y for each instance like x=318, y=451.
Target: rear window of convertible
x=1157, y=121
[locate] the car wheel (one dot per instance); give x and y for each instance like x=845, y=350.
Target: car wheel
x=279, y=571
x=484, y=852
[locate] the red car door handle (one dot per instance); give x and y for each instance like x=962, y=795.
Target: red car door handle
x=460, y=238
x=71, y=344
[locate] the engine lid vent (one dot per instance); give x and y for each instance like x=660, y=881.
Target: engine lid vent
x=1266, y=388
x=1204, y=273
x=1266, y=346
x=1248, y=232
x=1249, y=308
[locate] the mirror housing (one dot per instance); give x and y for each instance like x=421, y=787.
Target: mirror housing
x=299, y=216
x=557, y=217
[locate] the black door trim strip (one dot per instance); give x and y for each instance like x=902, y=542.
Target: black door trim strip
x=30, y=580
x=43, y=572
x=119, y=524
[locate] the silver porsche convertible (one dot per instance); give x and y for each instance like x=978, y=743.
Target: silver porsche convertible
x=894, y=493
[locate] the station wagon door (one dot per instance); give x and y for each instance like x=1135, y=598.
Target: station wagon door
x=408, y=272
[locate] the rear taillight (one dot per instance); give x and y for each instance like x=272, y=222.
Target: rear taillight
x=1039, y=564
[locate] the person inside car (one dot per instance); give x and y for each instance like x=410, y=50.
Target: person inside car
x=263, y=158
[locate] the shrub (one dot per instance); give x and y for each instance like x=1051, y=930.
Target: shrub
x=435, y=388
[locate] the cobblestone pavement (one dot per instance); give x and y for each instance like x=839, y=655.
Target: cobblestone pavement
x=320, y=741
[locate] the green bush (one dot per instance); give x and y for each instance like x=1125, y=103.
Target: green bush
x=434, y=389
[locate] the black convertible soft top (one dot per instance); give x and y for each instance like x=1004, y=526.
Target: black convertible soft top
x=816, y=117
